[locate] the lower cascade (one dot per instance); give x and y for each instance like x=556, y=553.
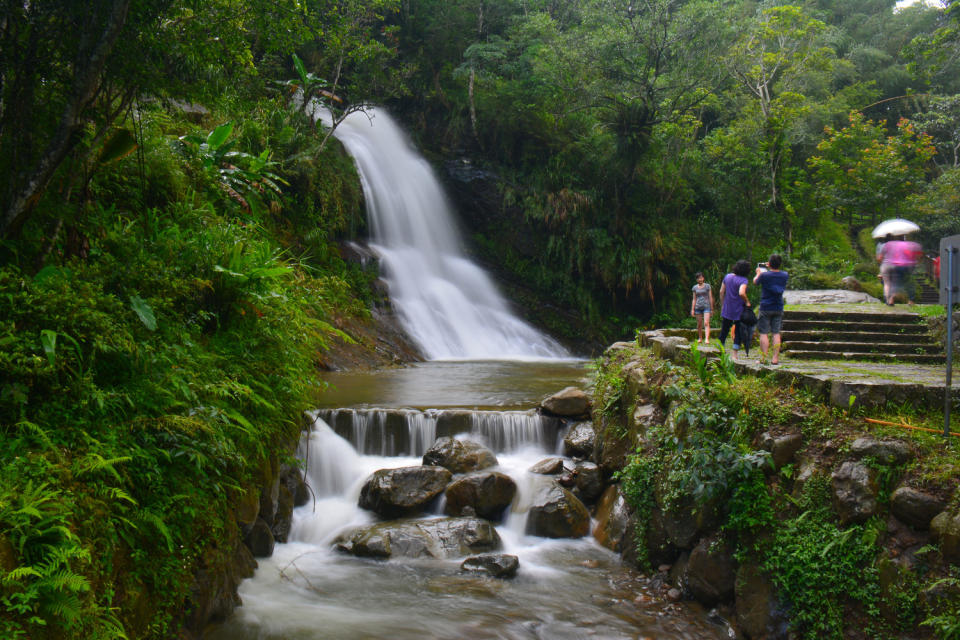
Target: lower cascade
x=444, y=524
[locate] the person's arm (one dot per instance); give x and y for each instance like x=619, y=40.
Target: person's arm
x=693, y=304
x=743, y=294
x=757, y=277
x=711, y=298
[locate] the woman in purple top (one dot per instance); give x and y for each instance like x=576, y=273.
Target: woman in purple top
x=733, y=297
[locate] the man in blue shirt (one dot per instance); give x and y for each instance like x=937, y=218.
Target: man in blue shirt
x=772, y=283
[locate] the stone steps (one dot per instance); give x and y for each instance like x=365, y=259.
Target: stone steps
x=877, y=337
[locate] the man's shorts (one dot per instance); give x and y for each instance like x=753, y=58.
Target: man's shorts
x=769, y=321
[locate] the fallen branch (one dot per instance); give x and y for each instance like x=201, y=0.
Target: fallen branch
x=907, y=426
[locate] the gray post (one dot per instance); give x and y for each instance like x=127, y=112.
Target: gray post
x=947, y=393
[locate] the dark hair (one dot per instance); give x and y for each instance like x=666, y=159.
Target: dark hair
x=775, y=261
x=698, y=274
x=742, y=268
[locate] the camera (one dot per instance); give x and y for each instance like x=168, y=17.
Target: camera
x=763, y=265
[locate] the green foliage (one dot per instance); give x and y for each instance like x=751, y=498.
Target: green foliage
x=820, y=569
x=637, y=480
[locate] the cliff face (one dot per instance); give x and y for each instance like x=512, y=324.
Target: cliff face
x=784, y=513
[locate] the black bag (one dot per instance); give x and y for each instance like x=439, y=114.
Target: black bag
x=748, y=317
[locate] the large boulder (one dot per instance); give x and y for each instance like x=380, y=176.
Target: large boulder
x=711, y=572
x=393, y=493
x=439, y=538
x=568, y=403
x=459, y=456
x=888, y=452
x=580, y=441
x=782, y=448
x=914, y=507
x=557, y=513
x=855, y=492
x=587, y=481
x=488, y=493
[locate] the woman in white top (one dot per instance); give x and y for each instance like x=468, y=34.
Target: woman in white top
x=701, y=307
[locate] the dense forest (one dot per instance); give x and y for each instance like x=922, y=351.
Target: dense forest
x=170, y=220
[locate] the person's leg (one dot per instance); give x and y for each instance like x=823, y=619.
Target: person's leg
x=706, y=325
x=776, y=326
x=763, y=328
x=699, y=317
x=909, y=284
x=725, y=325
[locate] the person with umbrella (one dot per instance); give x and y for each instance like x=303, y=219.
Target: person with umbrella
x=897, y=257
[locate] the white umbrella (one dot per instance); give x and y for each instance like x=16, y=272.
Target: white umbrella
x=895, y=227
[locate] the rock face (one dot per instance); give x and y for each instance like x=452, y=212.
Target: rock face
x=759, y=613
x=393, y=493
x=498, y=565
x=441, y=538
x=782, y=448
x=487, y=493
x=557, y=513
x=914, y=507
x=587, y=481
x=569, y=403
x=459, y=456
x=889, y=452
x=854, y=492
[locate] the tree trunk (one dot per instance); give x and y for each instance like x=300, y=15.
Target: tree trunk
x=87, y=81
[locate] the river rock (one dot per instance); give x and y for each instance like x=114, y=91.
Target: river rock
x=557, y=513
x=579, y=442
x=392, y=493
x=613, y=519
x=438, y=538
x=487, y=493
x=854, y=492
x=284, y=518
x=888, y=452
x=711, y=572
x=568, y=403
x=498, y=565
x=269, y=491
x=914, y=507
x=459, y=456
x=548, y=467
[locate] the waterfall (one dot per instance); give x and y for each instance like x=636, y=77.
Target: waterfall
x=446, y=303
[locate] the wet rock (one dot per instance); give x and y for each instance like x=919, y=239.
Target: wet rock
x=248, y=507
x=260, y=540
x=392, y=493
x=677, y=573
x=946, y=531
x=213, y=592
x=711, y=572
x=557, y=513
x=439, y=538
x=498, y=565
x=269, y=491
x=568, y=403
x=888, y=452
x=579, y=443
x=587, y=481
x=854, y=492
x=685, y=521
x=487, y=494
x=459, y=456
x=782, y=448
x=292, y=478
x=613, y=519
x=914, y=507
x=548, y=467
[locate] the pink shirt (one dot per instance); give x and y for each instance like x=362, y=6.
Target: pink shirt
x=901, y=253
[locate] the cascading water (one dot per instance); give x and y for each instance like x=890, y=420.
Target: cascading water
x=445, y=302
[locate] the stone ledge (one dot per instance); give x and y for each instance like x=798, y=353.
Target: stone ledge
x=841, y=384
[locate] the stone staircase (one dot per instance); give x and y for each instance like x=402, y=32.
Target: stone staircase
x=900, y=337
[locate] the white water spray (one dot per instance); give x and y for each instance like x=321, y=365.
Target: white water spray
x=446, y=303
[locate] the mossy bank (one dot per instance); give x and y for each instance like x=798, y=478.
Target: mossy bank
x=791, y=517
